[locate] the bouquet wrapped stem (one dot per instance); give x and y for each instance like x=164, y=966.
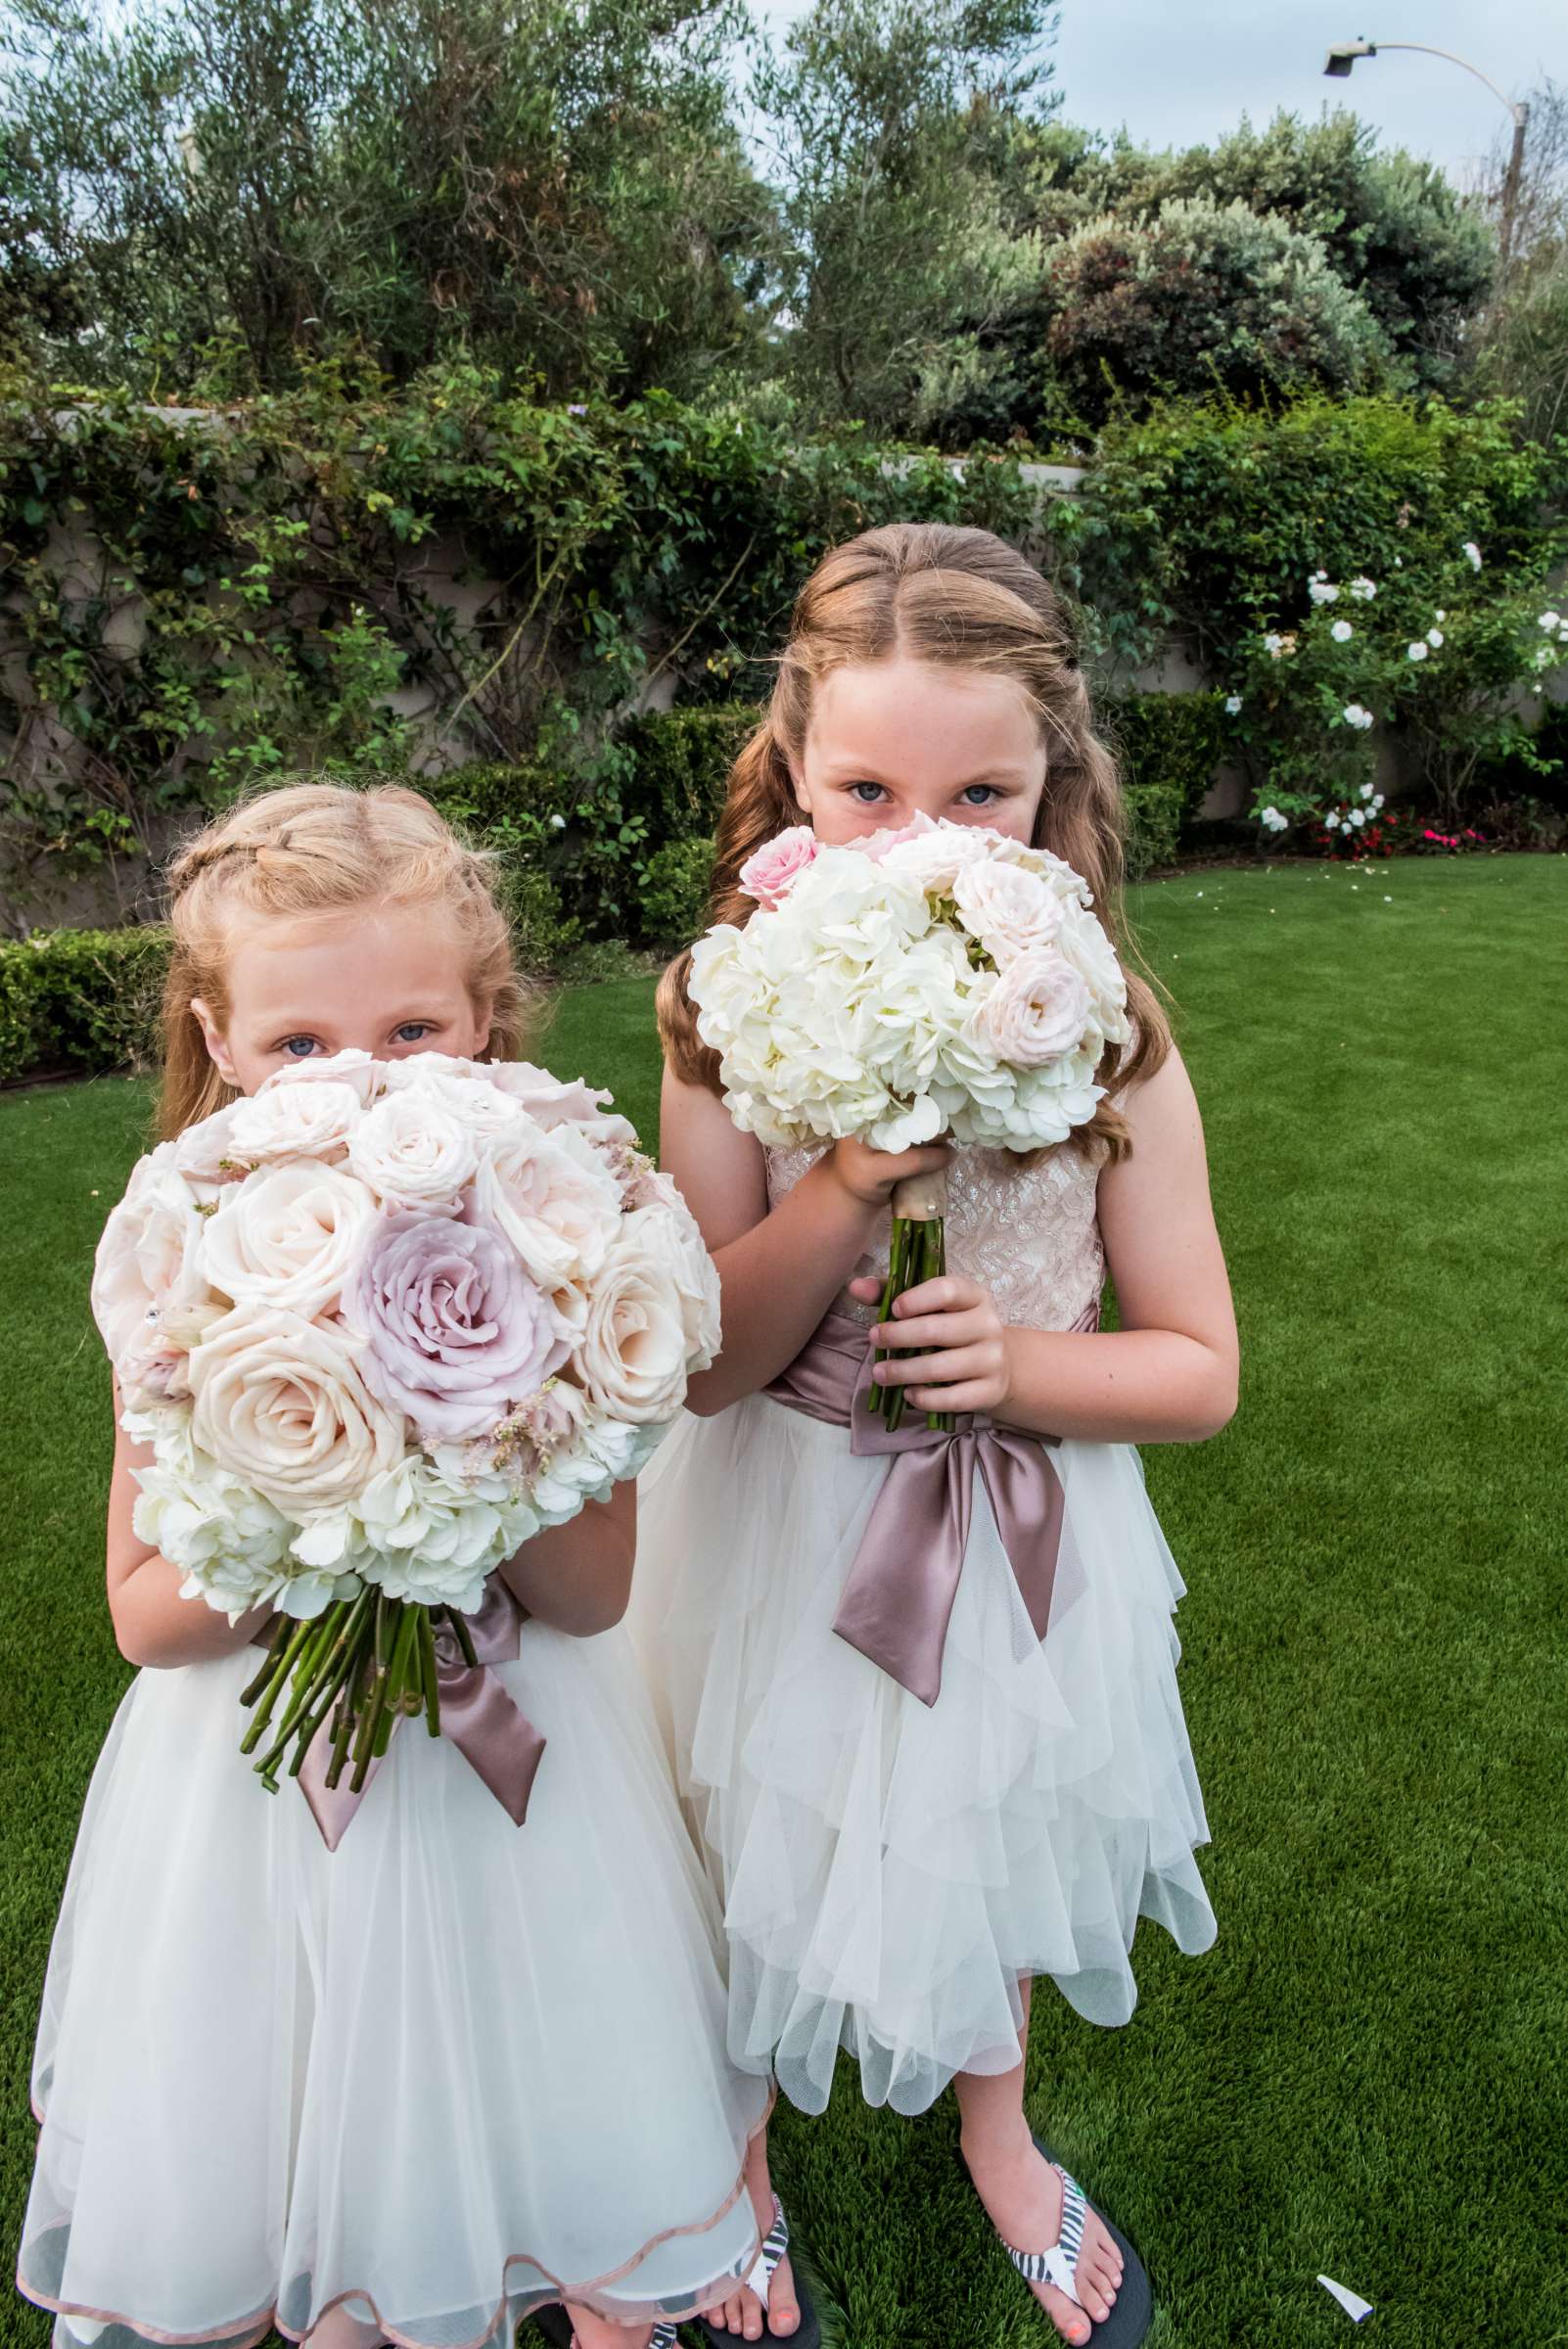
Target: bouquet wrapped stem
x=917, y=1251
x=356, y=1666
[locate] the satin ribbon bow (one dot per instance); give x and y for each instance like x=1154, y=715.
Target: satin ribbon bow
x=898, y=1600
x=494, y=1738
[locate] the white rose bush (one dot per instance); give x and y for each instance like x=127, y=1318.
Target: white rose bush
x=1449, y=656
x=380, y=1323
x=936, y=983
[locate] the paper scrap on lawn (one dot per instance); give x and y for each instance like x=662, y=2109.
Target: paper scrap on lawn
x=381, y=1323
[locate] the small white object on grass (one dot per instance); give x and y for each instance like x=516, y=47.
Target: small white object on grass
x=1354, y=2306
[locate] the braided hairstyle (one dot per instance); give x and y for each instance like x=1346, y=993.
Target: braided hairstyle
x=318, y=849
x=958, y=599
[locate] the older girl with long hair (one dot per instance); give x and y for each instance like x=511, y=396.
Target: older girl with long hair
x=897, y=1872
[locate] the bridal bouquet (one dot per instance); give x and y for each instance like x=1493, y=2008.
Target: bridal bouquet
x=939, y=981
x=380, y=1323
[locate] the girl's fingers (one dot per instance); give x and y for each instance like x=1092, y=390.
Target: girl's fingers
x=945, y=1331
x=975, y=1395
x=867, y=1288
x=963, y=1362
x=948, y=1293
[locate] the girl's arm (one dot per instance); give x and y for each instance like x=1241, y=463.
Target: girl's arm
x=781, y=1270
x=1168, y=1375
x=578, y=1576
x=153, y=1624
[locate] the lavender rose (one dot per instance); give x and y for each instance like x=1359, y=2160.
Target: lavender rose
x=457, y=1333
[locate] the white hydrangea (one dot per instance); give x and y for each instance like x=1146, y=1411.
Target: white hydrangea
x=1272, y=821
x=1364, y=589
x=1321, y=589
x=862, y=1003
x=1471, y=553
x=1357, y=715
x=1549, y=622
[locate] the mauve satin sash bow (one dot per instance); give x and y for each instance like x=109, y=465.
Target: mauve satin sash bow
x=494, y=1738
x=898, y=1601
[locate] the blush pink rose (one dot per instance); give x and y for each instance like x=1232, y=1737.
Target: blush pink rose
x=771, y=871
x=1038, y=1010
x=456, y=1332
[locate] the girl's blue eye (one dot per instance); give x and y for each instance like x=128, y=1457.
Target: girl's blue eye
x=299, y=1048
x=868, y=794
x=413, y=1032
x=979, y=795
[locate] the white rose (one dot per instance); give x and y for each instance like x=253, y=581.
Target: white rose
x=668, y=1230
x=412, y=1152
x=551, y=1103
x=287, y=1235
x=295, y=1121
x=148, y=1277
x=204, y=1153
x=1036, y=1009
x=1342, y=631
x=633, y=1357
x=278, y=1401
x=554, y=1199
x=933, y=859
x=350, y=1067
x=1007, y=908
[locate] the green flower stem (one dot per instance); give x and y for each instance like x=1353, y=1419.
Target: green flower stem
x=433, y=1694
x=274, y=1682
x=462, y=1635
x=277, y=1641
x=341, y=1666
x=353, y=1698
x=402, y=1656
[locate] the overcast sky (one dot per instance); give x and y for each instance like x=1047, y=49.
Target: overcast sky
x=1179, y=71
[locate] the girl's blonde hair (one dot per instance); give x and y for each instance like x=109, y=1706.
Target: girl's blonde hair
x=316, y=849
x=959, y=599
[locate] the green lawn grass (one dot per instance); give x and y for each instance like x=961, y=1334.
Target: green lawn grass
x=1366, y=2075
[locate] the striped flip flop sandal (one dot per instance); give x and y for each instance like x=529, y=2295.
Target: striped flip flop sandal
x=808, y=2334
x=556, y=2325
x=1133, y=2310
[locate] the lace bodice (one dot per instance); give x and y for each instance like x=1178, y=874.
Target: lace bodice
x=1028, y=1230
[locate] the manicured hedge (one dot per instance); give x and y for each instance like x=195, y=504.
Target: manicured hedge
x=80, y=999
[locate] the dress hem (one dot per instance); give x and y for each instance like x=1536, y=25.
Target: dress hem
x=249, y=2331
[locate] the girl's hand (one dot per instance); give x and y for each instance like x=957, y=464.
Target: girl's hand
x=963, y=1362
x=871, y=1174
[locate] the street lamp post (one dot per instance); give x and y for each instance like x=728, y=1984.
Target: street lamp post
x=1343, y=56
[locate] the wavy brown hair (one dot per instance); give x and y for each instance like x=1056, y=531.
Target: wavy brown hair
x=305, y=849
x=958, y=599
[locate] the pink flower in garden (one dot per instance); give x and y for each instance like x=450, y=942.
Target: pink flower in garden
x=771, y=871
x=457, y=1333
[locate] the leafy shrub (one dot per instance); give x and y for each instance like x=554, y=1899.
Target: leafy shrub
x=675, y=892
x=1168, y=738
x=246, y=589
x=1202, y=297
x=85, y=1000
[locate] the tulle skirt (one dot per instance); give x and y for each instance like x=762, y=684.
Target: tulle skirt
x=890, y=1871
x=447, y=2072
